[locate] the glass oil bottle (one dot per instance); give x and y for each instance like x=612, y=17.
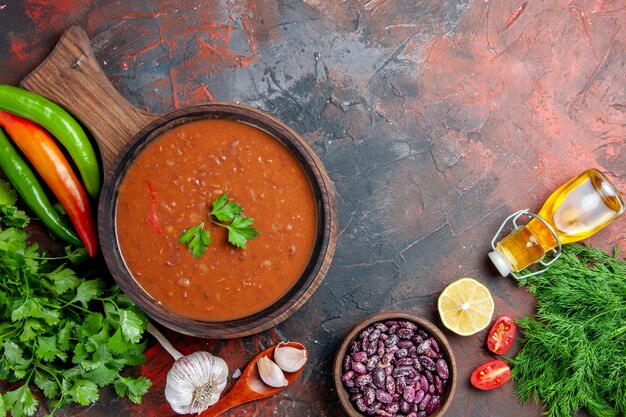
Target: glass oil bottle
x=576, y=210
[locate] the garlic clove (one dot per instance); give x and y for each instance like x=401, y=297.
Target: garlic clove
x=289, y=358
x=271, y=373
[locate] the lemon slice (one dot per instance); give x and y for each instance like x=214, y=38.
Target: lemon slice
x=465, y=306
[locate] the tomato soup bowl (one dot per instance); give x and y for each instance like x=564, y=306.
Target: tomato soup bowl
x=323, y=243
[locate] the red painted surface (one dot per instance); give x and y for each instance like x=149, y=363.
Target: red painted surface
x=435, y=121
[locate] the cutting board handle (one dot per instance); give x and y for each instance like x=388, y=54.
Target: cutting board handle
x=71, y=76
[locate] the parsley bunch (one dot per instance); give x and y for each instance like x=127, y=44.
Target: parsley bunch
x=573, y=353
x=65, y=334
x=240, y=228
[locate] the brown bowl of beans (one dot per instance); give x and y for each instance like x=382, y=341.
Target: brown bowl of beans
x=395, y=364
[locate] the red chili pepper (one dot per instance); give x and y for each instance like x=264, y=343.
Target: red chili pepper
x=153, y=219
x=50, y=163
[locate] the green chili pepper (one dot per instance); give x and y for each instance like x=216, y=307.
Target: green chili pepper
x=62, y=125
x=27, y=185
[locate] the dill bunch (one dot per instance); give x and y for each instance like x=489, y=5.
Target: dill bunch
x=573, y=350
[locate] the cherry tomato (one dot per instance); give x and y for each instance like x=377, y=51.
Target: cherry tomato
x=491, y=375
x=501, y=335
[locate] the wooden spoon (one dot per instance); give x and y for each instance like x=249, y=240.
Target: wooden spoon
x=250, y=387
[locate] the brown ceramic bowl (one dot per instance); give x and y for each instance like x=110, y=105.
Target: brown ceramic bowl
x=310, y=278
x=344, y=395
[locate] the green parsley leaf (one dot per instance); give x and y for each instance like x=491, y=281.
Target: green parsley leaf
x=76, y=255
x=87, y=290
x=84, y=392
x=3, y=410
x=197, y=239
x=102, y=375
x=118, y=343
x=134, y=388
x=80, y=353
x=131, y=325
x=14, y=355
x=240, y=231
x=21, y=401
x=92, y=324
x=8, y=196
x=225, y=210
x=13, y=217
x=47, y=384
x=30, y=330
x=63, y=279
x=47, y=349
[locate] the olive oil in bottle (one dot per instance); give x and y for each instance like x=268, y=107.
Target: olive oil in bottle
x=576, y=210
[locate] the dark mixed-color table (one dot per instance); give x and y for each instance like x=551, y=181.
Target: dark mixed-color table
x=434, y=119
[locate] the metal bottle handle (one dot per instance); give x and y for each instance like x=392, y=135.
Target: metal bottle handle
x=513, y=218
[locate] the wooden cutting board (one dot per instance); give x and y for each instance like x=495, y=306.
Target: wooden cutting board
x=72, y=77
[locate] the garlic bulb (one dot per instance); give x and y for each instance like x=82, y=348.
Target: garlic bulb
x=195, y=381
x=289, y=358
x=271, y=373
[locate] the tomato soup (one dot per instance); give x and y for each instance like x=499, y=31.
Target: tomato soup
x=170, y=187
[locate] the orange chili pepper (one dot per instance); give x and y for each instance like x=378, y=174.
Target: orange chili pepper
x=50, y=163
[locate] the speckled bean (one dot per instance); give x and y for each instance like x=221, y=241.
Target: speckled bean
x=405, y=407
x=393, y=408
x=381, y=348
x=400, y=385
x=372, y=363
x=383, y=396
x=390, y=385
x=362, y=380
x=359, y=357
x=387, y=358
x=369, y=396
x=405, y=362
x=433, y=404
x=438, y=384
x=392, y=340
x=423, y=347
x=405, y=344
x=424, y=402
x=360, y=404
x=419, y=396
x=409, y=394
x=374, y=335
x=402, y=353
x=359, y=368
x=407, y=325
x=442, y=369
x=372, y=348
x=428, y=363
x=379, y=377
x=347, y=363
x=405, y=333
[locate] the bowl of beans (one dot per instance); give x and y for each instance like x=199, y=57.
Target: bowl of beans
x=395, y=364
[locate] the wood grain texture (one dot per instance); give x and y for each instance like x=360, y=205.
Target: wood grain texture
x=71, y=76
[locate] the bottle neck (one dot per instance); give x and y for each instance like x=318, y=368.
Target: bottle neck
x=542, y=235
